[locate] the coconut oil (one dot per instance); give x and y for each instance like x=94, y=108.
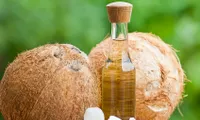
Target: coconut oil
x=118, y=76
x=118, y=86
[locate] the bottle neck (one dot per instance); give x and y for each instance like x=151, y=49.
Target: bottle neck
x=119, y=41
x=119, y=31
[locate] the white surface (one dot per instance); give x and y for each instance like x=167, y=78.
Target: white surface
x=94, y=114
x=132, y=119
x=113, y=118
x=116, y=118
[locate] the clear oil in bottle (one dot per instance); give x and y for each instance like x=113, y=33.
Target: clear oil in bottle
x=118, y=83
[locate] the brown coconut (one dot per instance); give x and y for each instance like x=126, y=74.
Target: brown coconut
x=159, y=76
x=52, y=82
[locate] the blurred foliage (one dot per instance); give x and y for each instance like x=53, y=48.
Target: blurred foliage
x=25, y=24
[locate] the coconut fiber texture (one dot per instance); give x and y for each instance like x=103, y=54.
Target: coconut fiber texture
x=52, y=82
x=159, y=76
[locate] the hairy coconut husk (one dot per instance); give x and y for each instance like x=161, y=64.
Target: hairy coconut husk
x=159, y=76
x=52, y=82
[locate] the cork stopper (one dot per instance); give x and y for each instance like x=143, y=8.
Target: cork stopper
x=119, y=12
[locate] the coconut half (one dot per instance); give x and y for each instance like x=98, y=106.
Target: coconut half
x=159, y=76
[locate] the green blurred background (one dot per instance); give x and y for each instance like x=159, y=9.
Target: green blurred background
x=25, y=24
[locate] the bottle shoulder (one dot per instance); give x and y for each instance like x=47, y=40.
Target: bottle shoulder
x=124, y=65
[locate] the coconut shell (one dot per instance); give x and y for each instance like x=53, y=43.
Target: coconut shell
x=159, y=76
x=51, y=82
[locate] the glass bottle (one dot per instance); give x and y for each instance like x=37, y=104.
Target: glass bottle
x=119, y=75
